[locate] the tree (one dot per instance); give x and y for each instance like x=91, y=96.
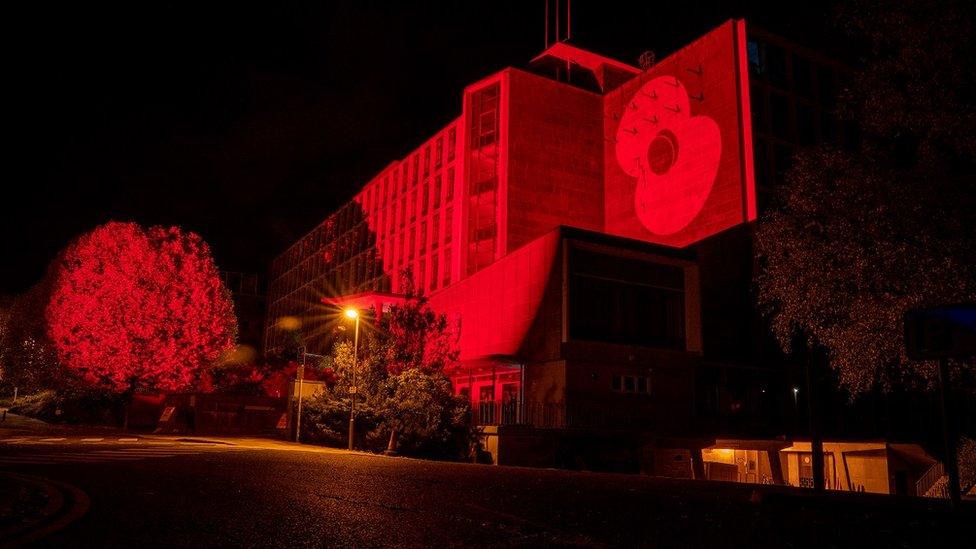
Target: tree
x=403, y=395
x=28, y=360
x=857, y=237
x=136, y=308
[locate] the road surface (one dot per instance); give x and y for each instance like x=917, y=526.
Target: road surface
x=143, y=491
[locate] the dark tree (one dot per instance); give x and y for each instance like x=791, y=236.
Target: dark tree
x=859, y=236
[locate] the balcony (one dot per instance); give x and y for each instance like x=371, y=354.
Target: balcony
x=513, y=412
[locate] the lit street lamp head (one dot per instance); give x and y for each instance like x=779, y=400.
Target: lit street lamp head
x=352, y=313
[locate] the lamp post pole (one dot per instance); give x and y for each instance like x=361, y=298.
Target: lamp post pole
x=352, y=313
x=301, y=378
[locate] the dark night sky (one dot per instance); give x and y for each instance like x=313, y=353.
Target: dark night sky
x=249, y=123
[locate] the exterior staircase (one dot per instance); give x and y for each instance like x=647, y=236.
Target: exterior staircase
x=939, y=489
x=934, y=483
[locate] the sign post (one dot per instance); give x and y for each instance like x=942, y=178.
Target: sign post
x=300, y=375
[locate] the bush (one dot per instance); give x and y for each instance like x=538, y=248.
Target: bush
x=967, y=463
x=429, y=420
x=73, y=404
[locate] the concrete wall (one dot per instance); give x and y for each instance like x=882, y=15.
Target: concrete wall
x=555, y=159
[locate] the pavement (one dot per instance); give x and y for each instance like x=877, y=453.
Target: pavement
x=179, y=492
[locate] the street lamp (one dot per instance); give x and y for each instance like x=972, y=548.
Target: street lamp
x=353, y=314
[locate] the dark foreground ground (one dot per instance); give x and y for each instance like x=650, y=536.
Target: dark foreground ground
x=165, y=492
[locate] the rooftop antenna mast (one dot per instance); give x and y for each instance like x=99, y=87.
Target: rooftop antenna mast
x=563, y=30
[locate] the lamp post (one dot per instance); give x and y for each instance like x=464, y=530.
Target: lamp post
x=300, y=375
x=353, y=314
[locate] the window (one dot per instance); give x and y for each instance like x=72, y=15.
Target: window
x=828, y=127
x=630, y=384
x=446, y=280
x=827, y=89
x=805, y=124
x=437, y=191
x=802, y=80
x=434, y=273
x=423, y=236
x=426, y=160
x=425, y=198
x=627, y=301
x=411, y=241
x=435, y=231
x=775, y=62
x=485, y=116
x=448, y=224
x=450, y=185
x=438, y=152
x=759, y=108
x=413, y=205
x=782, y=160
x=755, y=60
x=451, y=139
x=779, y=110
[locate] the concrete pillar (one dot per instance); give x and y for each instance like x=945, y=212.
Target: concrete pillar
x=775, y=466
x=697, y=464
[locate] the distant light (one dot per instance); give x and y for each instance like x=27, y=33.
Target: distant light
x=795, y=390
x=352, y=313
x=289, y=323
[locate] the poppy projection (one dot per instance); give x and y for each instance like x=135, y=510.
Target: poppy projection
x=679, y=164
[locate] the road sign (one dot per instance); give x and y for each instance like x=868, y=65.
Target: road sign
x=167, y=414
x=352, y=390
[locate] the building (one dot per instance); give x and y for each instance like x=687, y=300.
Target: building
x=249, y=296
x=586, y=223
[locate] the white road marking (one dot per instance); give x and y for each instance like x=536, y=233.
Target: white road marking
x=92, y=439
x=28, y=461
x=128, y=440
x=57, y=439
x=109, y=455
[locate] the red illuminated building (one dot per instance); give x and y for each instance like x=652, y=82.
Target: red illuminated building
x=585, y=221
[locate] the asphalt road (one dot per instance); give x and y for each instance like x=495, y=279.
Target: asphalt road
x=164, y=492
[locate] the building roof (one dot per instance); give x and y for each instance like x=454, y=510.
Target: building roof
x=583, y=58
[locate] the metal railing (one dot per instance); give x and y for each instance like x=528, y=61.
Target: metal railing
x=514, y=412
x=581, y=414
x=929, y=479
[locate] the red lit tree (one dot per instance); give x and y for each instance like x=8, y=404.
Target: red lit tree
x=135, y=308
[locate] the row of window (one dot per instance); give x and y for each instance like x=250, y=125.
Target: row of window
x=483, y=176
x=794, y=72
x=631, y=384
x=405, y=177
